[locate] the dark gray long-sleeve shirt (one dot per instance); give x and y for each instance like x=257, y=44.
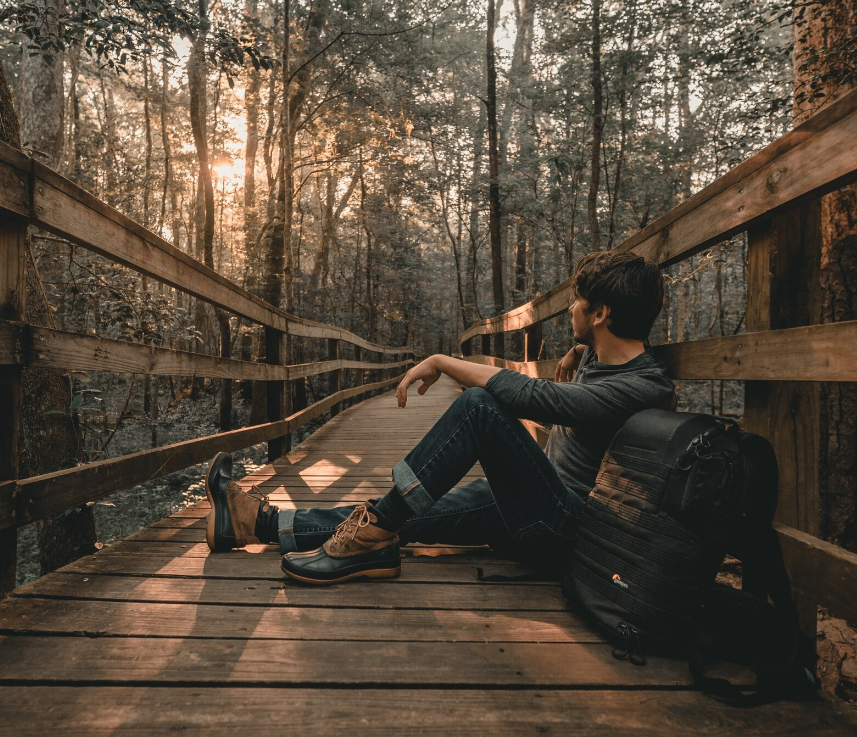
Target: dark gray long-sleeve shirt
x=587, y=411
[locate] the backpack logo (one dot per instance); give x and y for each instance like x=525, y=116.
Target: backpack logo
x=617, y=579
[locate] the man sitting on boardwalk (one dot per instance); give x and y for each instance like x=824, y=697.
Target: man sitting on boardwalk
x=531, y=499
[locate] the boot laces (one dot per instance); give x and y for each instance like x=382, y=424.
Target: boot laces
x=257, y=493
x=357, y=520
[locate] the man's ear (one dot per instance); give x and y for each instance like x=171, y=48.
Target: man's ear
x=601, y=315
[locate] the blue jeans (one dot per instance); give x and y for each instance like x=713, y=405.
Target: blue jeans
x=522, y=507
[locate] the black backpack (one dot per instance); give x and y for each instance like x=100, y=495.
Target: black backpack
x=675, y=493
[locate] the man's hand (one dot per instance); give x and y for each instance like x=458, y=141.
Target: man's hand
x=568, y=364
x=425, y=371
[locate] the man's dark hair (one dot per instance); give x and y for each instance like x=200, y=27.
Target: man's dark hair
x=630, y=286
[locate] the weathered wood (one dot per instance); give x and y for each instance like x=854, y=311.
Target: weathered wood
x=783, y=292
x=816, y=352
x=532, y=342
x=536, y=369
x=75, y=660
x=275, y=393
x=394, y=595
x=29, y=345
x=42, y=496
x=821, y=571
x=13, y=259
x=823, y=151
x=148, y=619
x=335, y=379
x=147, y=637
x=379, y=712
x=168, y=560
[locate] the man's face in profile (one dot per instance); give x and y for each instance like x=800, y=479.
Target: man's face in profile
x=581, y=320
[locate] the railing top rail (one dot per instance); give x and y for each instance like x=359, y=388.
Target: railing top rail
x=816, y=157
x=48, y=200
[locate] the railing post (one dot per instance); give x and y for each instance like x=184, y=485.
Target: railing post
x=275, y=392
x=359, y=379
x=335, y=383
x=13, y=233
x=783, y=291
x=532, y=342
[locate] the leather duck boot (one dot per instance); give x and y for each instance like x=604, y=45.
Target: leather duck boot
x=231, y=523
x=358, y=548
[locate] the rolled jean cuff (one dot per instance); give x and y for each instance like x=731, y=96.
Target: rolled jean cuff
x=286, y=530
x=411, y=490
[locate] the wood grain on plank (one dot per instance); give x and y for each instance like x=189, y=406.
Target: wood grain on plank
x=455, y=712
x=153, y=559
x=67, y=660
x=474, y=596
x=147, y=619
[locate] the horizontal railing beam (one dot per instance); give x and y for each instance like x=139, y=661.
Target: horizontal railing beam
x=817, y=157
x=40, y=497
x=812, y=353
x=535, y=369
x=38, y=347
x=821, y=571
x=53, y=203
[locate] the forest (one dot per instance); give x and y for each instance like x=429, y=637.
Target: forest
x=397, y=169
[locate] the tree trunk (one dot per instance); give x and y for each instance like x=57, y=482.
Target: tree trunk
x=494, y=212
x=50, y=441
x=42, y=110
x=198, y=114
x=597, y=127
x=824, y=71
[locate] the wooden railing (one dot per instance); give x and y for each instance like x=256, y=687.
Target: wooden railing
x=32, y=194
x=774, y=198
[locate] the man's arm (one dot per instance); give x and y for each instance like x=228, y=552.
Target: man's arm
x=465, y=373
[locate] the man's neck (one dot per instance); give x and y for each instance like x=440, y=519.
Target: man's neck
x=615, y=351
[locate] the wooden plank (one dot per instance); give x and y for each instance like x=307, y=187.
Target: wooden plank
x=13, y=259
x=335, y=378
x=474, y=596
x=67, y=660
x=821, y=571
x=161, y=560
x=818, y=156
x=41, y=347
x=819, y=352
x=454, y=712
x=156, y=620
x=43, y=496
x=535, y=369
x=783, y=291
x=276, y=394
x=14, y=182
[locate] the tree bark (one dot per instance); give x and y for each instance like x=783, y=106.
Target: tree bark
x=824, y=70
x=597, y=127
x=494, y=211
x=43, y=107
x=50, y=441
x=198, y=113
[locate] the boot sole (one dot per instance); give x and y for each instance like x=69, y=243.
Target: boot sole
x=377, y=573
x=209, y=520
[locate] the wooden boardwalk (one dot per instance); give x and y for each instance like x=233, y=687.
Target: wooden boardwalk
x=154, y=636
